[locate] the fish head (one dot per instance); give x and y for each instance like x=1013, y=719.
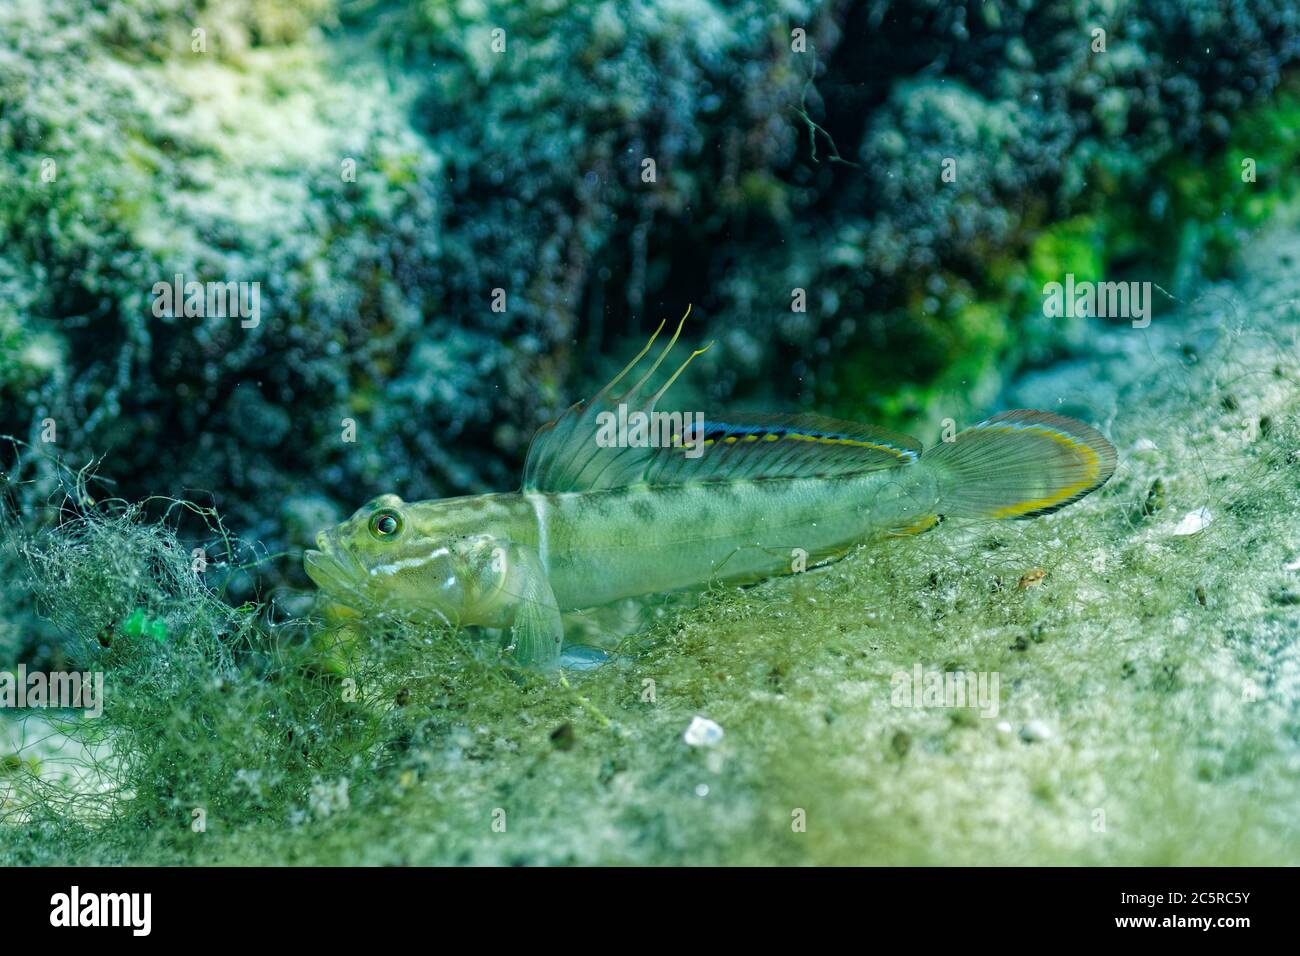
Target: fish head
x=421, y=560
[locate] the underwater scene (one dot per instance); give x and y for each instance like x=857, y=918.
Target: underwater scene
x=649, y=433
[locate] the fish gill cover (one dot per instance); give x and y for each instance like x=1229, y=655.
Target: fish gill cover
x=454, y=232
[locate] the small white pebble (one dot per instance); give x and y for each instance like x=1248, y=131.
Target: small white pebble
x=1035, y=731
x=1194, y=522
x=1293, y=566
x=1004, y=727
x=1145, y=444
x=702, y=790
x=703, y=733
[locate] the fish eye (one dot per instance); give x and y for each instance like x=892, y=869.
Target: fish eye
x=386, y=524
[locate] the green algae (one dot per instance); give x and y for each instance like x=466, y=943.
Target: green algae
x=1177, y=224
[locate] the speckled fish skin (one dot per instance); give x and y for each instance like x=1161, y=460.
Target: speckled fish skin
x=600, y=547
x=768, y=495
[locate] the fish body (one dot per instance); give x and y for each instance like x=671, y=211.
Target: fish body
x=603, y=546
x=726, y=501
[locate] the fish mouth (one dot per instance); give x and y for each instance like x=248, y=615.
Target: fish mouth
x=329, y=569
x=324, y=571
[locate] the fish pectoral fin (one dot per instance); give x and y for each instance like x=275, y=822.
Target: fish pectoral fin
x=537, y=632
x=536, y=635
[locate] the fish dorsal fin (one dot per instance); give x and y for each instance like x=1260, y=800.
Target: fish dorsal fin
x=752, y=447
x=596, y=445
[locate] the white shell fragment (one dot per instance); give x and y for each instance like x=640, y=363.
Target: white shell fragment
x=1035, y=731
x=1194, y=522
x=703, y=733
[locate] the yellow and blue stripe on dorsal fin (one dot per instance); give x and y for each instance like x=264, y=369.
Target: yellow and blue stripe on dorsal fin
x=756, y=447
x=568, y=455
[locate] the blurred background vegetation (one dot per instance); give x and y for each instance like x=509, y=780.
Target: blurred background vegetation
x=775, y=170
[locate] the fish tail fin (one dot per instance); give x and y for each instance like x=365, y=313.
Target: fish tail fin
x=1019, y=464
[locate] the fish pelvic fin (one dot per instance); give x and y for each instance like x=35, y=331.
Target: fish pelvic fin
x=1019, y=464
x=920, y=526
